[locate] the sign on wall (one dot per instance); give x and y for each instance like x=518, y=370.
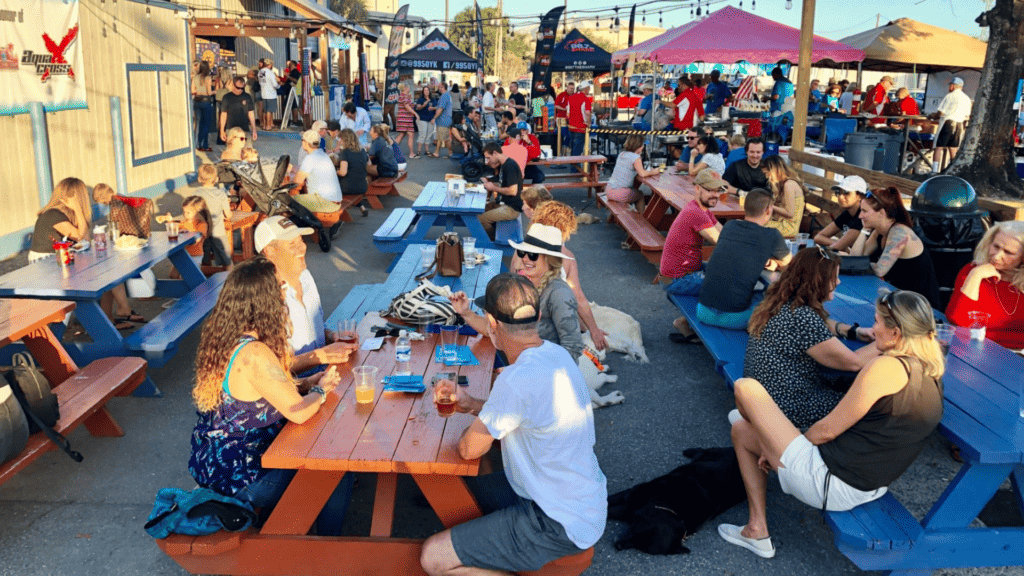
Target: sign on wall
x=40, y=56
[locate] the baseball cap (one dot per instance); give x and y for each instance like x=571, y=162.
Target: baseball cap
x=584, y=84
x=318, y=125
x=852, y=184
x=277, y=228
x=311, y=137
x=957, y=80
x=511, y=299
x=708, y=179
x=512, y=131
x=886, y=79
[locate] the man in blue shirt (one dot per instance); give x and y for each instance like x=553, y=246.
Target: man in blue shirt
x=644, y=112
x=443, y=120
x=783, y=89
x=716, y=94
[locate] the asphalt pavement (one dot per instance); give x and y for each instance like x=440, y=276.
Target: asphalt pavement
x=58, y=517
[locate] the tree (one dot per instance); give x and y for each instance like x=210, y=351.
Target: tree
x=517, y=49
x=985, y=158
x=354, y=10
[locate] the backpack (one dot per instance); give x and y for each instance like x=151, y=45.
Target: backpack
x=37, y=401
x=13, y=425
x=197, y=513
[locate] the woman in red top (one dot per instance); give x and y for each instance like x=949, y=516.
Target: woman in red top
x=994, y=283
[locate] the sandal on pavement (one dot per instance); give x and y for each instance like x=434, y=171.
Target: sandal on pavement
x=413, y=156
x=732, y=534
x=679, y=338
x=132, y=316
x=123, y=325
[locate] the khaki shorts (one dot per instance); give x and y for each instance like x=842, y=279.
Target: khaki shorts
x=444, y=133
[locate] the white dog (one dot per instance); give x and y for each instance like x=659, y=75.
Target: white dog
x=596, y=377
x=623, y=333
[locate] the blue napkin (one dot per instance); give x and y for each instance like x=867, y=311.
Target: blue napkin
x=464, y=357
x=412, y=383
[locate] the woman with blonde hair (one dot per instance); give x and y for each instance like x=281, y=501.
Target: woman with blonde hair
x=629, y=166
x=853, y=454
x=235, y=143
x=788, y=193
x=245, y=393
x=994, y=283
x=68, y=214
x=534, y=196
x=382, y=157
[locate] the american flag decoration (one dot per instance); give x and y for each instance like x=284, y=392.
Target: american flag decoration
x=746, y=90
x=307, y=82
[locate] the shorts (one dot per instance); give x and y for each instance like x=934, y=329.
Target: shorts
x=950, y=135
x=444, y=133
x=269, y=105
x=626, y=195
x=316, y=203
x=517, y=538
x=426, y=132
x=728, y=320
x=803, y=477
x=688, y=285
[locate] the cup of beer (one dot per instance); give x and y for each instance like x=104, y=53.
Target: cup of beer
x=444, y=397
x=366, y=380
x=347, y=331
x=172, y=230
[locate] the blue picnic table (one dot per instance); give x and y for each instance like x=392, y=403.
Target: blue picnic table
x=376, y=297
x=94, y=273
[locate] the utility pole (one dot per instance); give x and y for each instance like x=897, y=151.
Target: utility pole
x=499, y=36
x=878, y=19
x=445, y=17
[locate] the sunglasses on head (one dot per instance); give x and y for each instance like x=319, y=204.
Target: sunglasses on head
x=533, y=256
x=827, y=255
x=887, y=302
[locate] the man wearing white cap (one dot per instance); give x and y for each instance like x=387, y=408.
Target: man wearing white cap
x=317, y=172
x=643, y=118
x=953, y=112
x=280, y=240
x=842, y=232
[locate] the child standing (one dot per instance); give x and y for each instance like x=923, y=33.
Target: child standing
x=196, y=218
x=219, y=208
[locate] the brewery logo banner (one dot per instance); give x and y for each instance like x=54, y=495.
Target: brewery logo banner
x=40, y=56
x=545, y=48
x=394, y=49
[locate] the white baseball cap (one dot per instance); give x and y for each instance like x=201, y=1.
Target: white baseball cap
x=311, y=137
x=277, y=228
x=852, y=184
x=319, y=125
x=584, y=84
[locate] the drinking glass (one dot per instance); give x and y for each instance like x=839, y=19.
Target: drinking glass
x=347, y=331
x=803, y=240
x=444, y=397
x=366, y=379
x=423, y=317
x=426, y=256
x=979, y=321
x=945, y=333
x=449, y=345
x=469, y=246
x=172, y=230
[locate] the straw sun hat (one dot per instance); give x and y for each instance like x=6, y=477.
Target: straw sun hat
x=541, y=239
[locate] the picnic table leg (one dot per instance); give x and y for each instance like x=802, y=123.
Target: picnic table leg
x=302, y=502
x=450, y=498
x=423, y=226
x=106, y=342
x=384, y=505
x=966, y=495
x=55, y=361
x=190, y=273
x=1017, y=485
x=102, y=424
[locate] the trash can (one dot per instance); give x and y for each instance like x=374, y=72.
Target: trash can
x=860, y=148
x=949, y=223
x=893, y=144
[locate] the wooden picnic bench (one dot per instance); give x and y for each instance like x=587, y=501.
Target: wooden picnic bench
x=245, y=223
x=589, y=179
x=82, y=395
x=383, y=187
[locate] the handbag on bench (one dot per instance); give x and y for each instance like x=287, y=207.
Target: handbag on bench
x=448, y=258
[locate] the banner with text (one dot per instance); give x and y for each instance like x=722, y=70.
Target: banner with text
x=40, y=56
x=541, y=84
x=394, y=49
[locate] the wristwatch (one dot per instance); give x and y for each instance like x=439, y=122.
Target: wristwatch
x=866, y=231
x=851, y=333
x=319, y=390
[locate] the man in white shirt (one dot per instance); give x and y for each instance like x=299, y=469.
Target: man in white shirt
x=953, y=112
x=280, y=241
x=268, y=92
x=551, y=499
x=356, y=119
x=488, y=105
x=846, y=98
x=318, y=173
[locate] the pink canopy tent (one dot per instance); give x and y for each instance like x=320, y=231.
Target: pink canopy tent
x=730, y=35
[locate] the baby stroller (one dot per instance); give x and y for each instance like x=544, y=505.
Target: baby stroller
x=473, y=160
x=273, y=198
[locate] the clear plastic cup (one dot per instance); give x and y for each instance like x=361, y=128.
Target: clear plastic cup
x=945, y=333
x=426, y=256
x=979, y=322
x=366, y=380
x=449, y=343
x=469, y=246
x=172, y=230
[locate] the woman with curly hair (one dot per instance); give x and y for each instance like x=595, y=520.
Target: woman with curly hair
x=792, y=338
x=244, y=393
x=788, y=192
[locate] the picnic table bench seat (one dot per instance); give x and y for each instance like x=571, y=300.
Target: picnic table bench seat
x=727, y=347
x=158, y=339
x=642, y=234
x=391, y=236
x=82, y=399
x=383, y=187
x=881, y=526
x=506, y=230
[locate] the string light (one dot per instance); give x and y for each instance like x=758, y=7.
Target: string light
x=698, y=9
x=789, y=4
x=691, y=12
x=753, y=4
x=147, y=11
x=660, y=25
x=644, y=20
x=194, y=23
x=291, y=33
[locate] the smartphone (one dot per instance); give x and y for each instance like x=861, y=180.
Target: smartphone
x=463, y=381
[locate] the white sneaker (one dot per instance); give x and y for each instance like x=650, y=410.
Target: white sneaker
x=734, y=416
x=731, y=534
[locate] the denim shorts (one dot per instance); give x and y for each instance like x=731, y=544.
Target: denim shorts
x=517, y=538
x=688, y=285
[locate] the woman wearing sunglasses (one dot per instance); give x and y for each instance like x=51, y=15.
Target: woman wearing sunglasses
x=843, y=231
x=897, y=254
x=853, y=454
x=235, y=142
x=792, y=338
x=539, y=257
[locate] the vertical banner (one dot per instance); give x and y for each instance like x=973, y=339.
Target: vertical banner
x=394, y=46
x=364, y=77
x=307, y=81
x=545, y=47
x=479, y=45
x=40, y=56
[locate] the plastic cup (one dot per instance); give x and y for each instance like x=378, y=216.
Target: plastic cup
x=172, y=230
x=347, y=331
x=444, y=398
x=803, y=239
x=426, y=256
x=469, y=246
x=423, y=318
x=366, y=380
x=945, y=333
x=979, y=321
x=449, y=346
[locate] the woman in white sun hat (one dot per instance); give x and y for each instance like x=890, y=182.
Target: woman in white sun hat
x=540, y=260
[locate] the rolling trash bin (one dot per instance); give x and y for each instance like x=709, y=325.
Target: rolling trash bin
x=860, y=148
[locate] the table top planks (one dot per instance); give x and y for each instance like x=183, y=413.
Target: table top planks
x=403, y=276
x=559, y=160
x=678, y=191
x=434, y=198
x=19, y=317
x=93, y=272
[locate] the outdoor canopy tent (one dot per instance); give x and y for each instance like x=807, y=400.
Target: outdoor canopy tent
x=903, y=43
x=576, y=53
x=730, y=35
x=437, y=52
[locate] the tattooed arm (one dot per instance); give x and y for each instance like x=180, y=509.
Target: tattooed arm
x=261, y=375
x=895, y=244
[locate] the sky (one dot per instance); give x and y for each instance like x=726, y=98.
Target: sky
x=834, y=19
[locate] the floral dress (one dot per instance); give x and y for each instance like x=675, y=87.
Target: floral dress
x=406, y=119
x=228, y=443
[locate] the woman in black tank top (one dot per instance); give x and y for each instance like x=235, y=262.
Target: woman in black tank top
x=849, y=457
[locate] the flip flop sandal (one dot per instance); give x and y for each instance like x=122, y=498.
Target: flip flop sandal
x=132, y=316
x=123, y=325
x=680, y=338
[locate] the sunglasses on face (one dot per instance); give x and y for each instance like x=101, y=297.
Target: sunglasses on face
x=533, y=256
x=691, y=137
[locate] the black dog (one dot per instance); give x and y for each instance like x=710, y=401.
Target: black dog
x=664, y=511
